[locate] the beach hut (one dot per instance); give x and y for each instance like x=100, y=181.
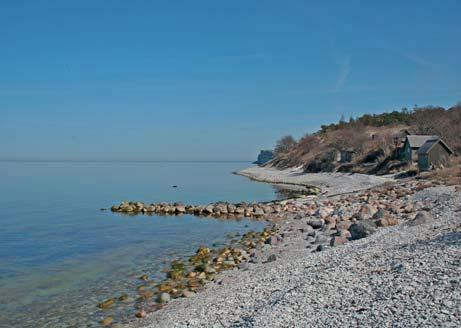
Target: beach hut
x=433, y=153
x=347, y=155
x=412, y=144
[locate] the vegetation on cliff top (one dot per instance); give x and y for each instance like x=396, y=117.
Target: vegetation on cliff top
x=371, y=138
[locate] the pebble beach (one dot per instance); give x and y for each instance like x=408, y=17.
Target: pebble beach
x=381, y=253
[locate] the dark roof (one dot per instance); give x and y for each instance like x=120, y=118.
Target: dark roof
x=426, y=148
x=416, y=141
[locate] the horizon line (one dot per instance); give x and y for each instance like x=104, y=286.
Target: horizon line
x=120, y=161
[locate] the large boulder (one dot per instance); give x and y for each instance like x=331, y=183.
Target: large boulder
x=362, y=229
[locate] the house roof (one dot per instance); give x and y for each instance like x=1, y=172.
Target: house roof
x=428, y=145
x=416, y=141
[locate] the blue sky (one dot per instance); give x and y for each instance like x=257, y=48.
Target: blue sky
x=211, y=80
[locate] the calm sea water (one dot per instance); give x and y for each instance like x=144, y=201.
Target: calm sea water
x=60, y=255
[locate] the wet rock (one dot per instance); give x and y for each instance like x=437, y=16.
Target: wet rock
x=258, y=212
x=208, y=209
x=271, y=258
x=107, y=321
x=165, y=287
x=144, y=277
x=239, y=211
x=362, y=229
x=180, y=209
x=107, y=303
x=231, y=208
x=123, y=298
x=146, y=294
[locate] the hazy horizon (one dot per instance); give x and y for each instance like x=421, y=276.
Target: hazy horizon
x=208, y=81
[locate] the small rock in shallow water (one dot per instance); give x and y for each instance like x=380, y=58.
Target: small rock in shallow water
x=140, y=314
x=123, y=297
x=107, y=321
x=107, y=303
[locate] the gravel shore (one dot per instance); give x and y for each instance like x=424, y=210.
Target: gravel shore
x=406, y=275
x=330, y=183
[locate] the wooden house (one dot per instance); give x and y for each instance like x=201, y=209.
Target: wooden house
x=434, y=153
x=412, y=144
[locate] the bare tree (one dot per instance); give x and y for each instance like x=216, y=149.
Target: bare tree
x=284, y=145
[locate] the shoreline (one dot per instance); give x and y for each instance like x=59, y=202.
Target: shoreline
x=307, y=251
x=330, y=184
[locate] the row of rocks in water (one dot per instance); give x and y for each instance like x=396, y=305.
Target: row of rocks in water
x=219, y=209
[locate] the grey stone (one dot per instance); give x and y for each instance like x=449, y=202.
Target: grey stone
x=362, y=229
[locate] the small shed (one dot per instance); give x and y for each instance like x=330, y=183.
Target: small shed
x=412, y=144
x=434, y=153
x=347, y=155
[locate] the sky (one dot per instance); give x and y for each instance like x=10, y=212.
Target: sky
x=211, y=80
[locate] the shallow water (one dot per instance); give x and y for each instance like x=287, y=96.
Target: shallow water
x=60, y=255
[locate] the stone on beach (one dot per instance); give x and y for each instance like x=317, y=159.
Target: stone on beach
x=164, y=298
x=315, y=223
x=421, y=218
x=362, y=229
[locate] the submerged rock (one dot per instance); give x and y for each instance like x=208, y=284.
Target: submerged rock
x=107, y=321
x=107, y=303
